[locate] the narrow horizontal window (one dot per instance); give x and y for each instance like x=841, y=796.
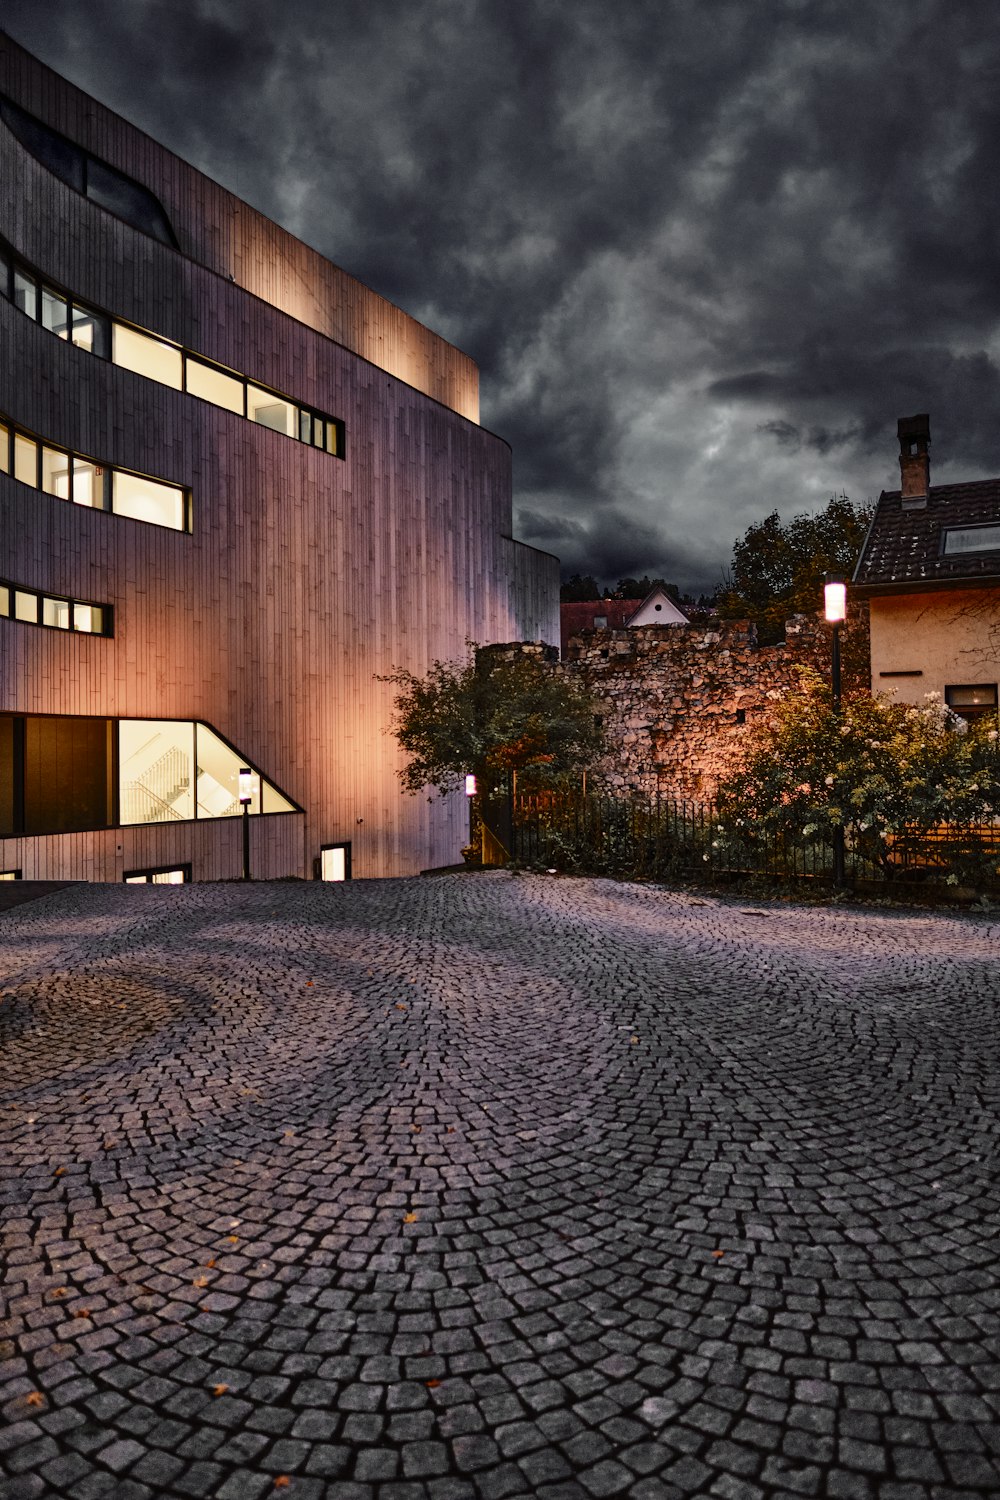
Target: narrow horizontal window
x=147, y=356
x=10, y=875
x=180, y=875
x=214, y=385
x=165, y=362
x=68, y=476
x=147, y=500
x=35, y=608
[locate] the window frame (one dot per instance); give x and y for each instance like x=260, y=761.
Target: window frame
x=130, y=877
x=332, y=429
x=972, y=711
x=344, y=844
x=295, y=809
x=108, y=471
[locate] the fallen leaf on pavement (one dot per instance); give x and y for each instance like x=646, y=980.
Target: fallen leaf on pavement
x=34, y=1398
x=409, y=1218
x=219, y=1390
x=200, y=1281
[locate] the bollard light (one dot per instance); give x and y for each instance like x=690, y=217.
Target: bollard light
x=470, y=785
x=246, y=786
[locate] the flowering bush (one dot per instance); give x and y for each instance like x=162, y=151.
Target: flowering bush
x=890, y=773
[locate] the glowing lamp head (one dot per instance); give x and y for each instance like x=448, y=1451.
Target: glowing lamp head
x=470, y=785
x=835, y=599
x=246, y=786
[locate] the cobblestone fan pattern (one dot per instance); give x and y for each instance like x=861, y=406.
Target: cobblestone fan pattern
x=495, y=1186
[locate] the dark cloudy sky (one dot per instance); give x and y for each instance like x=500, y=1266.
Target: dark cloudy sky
x=704, y=252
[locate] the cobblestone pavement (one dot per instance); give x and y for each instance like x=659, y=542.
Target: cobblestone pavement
x=496, y=1186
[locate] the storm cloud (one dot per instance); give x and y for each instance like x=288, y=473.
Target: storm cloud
x=704, y=252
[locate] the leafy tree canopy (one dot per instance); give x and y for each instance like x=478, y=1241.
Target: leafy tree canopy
x=638, y=588
x=778, y=569
x=580, y=590
x=491, y=716
x=881, y=769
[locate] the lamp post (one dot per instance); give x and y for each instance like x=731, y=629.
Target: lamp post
x=835, y=605
x=246, y=793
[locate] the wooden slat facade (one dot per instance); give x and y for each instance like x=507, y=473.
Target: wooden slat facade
x=306, y=576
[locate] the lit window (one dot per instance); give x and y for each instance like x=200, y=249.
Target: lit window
x=972, y=539
x=91, y=331
x=332, y=445
x=305, y=426
x=10, y=874
x=90, y=484
x=55, y=313
x=25, y=460
x=25, y=293
x=335, y=862
x=271, y=411
x=147, y=356
x=55, y=473
x=26, y=606
x=4, y=450
x=4, y=599
x=156, y=771
x=56, y=612
x=147, y=500
x=179, y=876
x=972, y=700
x=90, y=618
x=214, y=385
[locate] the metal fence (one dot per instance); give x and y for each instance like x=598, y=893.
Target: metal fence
x=668, y=838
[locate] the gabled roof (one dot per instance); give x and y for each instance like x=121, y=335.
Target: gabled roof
x=904, y=549
x=656, y=600
x=581, y=616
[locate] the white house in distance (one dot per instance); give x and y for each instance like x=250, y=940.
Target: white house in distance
x=619, y=614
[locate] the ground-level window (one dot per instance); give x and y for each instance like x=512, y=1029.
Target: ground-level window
x=62, y=774
x=10, y=875
x=335, y=862
x=177, y=875
x=972, y=700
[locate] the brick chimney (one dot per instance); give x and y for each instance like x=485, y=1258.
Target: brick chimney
x=914, y=460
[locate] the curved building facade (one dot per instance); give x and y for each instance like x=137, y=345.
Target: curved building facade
x=236, y=488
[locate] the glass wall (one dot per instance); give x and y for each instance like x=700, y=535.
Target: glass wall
x=155, y=771
x=57, y=774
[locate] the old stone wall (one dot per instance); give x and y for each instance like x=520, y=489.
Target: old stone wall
x=678, y=701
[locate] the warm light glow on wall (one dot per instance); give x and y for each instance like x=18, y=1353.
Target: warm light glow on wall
x=470, y=786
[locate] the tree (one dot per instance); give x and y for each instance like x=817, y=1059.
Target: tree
x=580, y=590
x=638, y=588
x=778, y=569
x=492, y=715
x=880, y=769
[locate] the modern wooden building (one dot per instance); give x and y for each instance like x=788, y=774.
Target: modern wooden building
x=236, y=487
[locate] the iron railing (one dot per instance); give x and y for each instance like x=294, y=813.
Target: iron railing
x=664, y=838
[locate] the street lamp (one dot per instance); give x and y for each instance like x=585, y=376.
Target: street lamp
x=246, y=793
x=835, y=607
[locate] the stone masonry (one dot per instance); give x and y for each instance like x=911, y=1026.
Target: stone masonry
x=678, y=702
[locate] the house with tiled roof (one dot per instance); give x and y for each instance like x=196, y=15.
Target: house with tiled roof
x=930, y=569
x=620, y=614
